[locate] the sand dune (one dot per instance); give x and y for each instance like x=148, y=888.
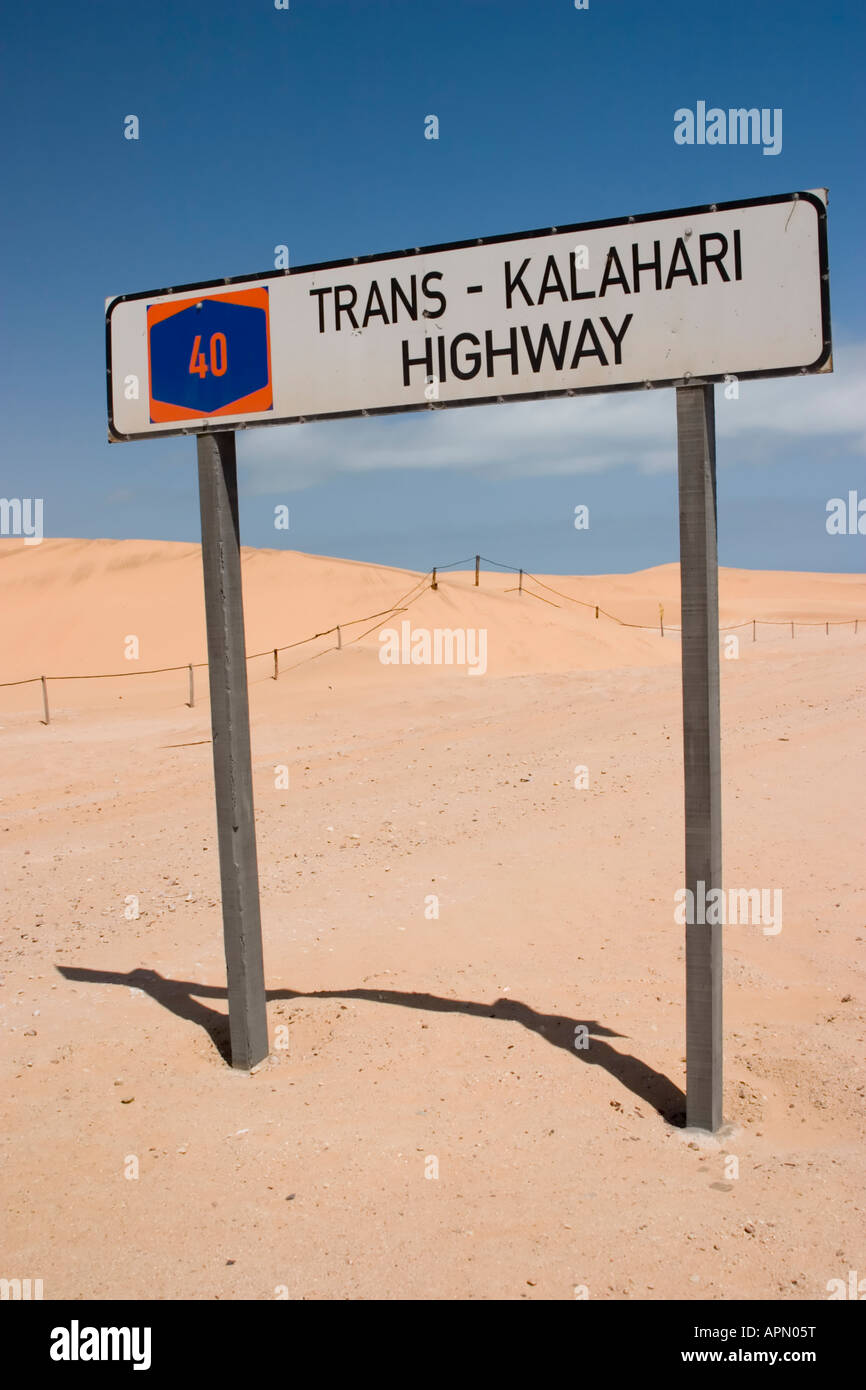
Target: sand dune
x=70, y=605
x=399, y=1037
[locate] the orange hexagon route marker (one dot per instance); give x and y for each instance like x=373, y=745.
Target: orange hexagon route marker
x=209, y=355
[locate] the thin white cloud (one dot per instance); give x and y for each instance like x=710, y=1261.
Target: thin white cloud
x=588, y=434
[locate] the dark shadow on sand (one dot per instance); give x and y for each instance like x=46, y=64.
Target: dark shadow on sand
x=636, y=1076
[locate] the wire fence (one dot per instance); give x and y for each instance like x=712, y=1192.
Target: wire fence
x=430, y=579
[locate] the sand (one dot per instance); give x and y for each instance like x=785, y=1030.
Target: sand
x=490, y=1159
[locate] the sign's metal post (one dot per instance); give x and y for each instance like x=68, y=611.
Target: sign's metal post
x=696, y=449
x=230, y=722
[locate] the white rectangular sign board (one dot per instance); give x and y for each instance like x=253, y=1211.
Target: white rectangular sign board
x=698, y=294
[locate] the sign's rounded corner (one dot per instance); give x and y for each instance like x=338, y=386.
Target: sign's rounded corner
x=824, y=363
x=818, y=203
x=116, y=436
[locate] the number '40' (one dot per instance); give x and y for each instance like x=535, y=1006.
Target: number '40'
x=198, y=364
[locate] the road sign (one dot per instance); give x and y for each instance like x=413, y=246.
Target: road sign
x=678, y=299
x=734, y=289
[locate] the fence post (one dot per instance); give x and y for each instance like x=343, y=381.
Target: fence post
x=661, y=619
x=191, y=688
x=276, y=664
x=434, y=585
x=47, y=719
x=477, y=566
x=596, y=610
x=754, y=637
x=339, y=639
x=792, y=631
x=828, y=629
x=520, y=583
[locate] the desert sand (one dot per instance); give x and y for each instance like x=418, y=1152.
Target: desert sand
x=491, y=1159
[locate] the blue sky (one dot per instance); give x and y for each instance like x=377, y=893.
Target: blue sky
x=306, y=127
